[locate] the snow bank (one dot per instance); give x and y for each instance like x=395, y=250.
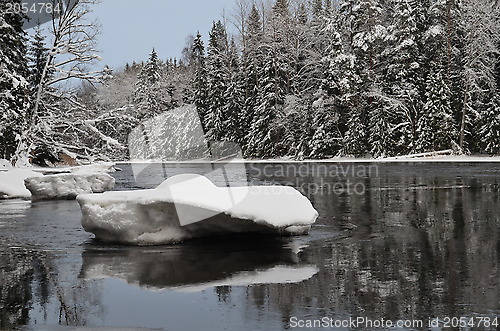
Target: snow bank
x=12, y=183
x=68, y=186
x=190, y=206
x=4, y=164
x=94, y=168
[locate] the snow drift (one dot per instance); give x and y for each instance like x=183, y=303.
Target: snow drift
x=191, y=206
x=12, y=183
x=68, y=186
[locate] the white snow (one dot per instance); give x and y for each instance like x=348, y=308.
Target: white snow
x=69, y=181
x=12, y=183
x=94, y=168
x=189, y=206
x=402, y=159
x=4, y=164
x=68, y=186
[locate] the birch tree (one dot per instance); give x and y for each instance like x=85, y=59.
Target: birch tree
x=72, y=50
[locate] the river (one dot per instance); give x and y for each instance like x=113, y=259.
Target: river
x=410, y=243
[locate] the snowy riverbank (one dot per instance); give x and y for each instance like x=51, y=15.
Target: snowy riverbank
x=402, y=159
x=54, y=183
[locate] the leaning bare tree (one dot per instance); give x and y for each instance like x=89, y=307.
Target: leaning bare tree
x=57, y=121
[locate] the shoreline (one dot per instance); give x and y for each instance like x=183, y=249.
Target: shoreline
x=402, y=159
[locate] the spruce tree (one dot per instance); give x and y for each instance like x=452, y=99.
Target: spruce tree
x=217, y=80
x=404, y=69
x=480, y=88
x=14, y=85
x=437, y=127
x=252, y=62
x=356, y=68
x=234, y=117
x=147, y=96
x=38, y=54
x=489, y=128
x=200, y=80
x=262, y=140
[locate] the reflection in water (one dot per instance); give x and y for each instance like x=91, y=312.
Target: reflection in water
x=200, y=264
x=422, y=242
x=37, y=283
x=419, y=241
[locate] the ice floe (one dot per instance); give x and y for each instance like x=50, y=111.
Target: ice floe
x=191, y=206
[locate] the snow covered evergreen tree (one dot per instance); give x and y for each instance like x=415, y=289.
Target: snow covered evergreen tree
x=14, y=85
x=480, y=89
x=444, y=41
x=38, y=55
x=437, y=128
x=273, y=86
x=354, y=67
x=252, y=60
x=489, y=126
x=234, y=117
x=148, y=95
x=262, y=139
x=404, y=83
x=200, y=86
x=323, y=71
x=217, y=80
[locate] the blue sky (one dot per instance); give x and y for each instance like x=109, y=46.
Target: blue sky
x=131, y=28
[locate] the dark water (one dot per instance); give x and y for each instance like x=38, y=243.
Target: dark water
x=410, y=242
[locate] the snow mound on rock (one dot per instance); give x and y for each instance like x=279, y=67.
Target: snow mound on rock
x=12, y=183
x=190, y=206
x=68, y=186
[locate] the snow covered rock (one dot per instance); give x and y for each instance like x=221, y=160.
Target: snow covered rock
x=12, y=183
x=191, y=206
x=68, y=186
